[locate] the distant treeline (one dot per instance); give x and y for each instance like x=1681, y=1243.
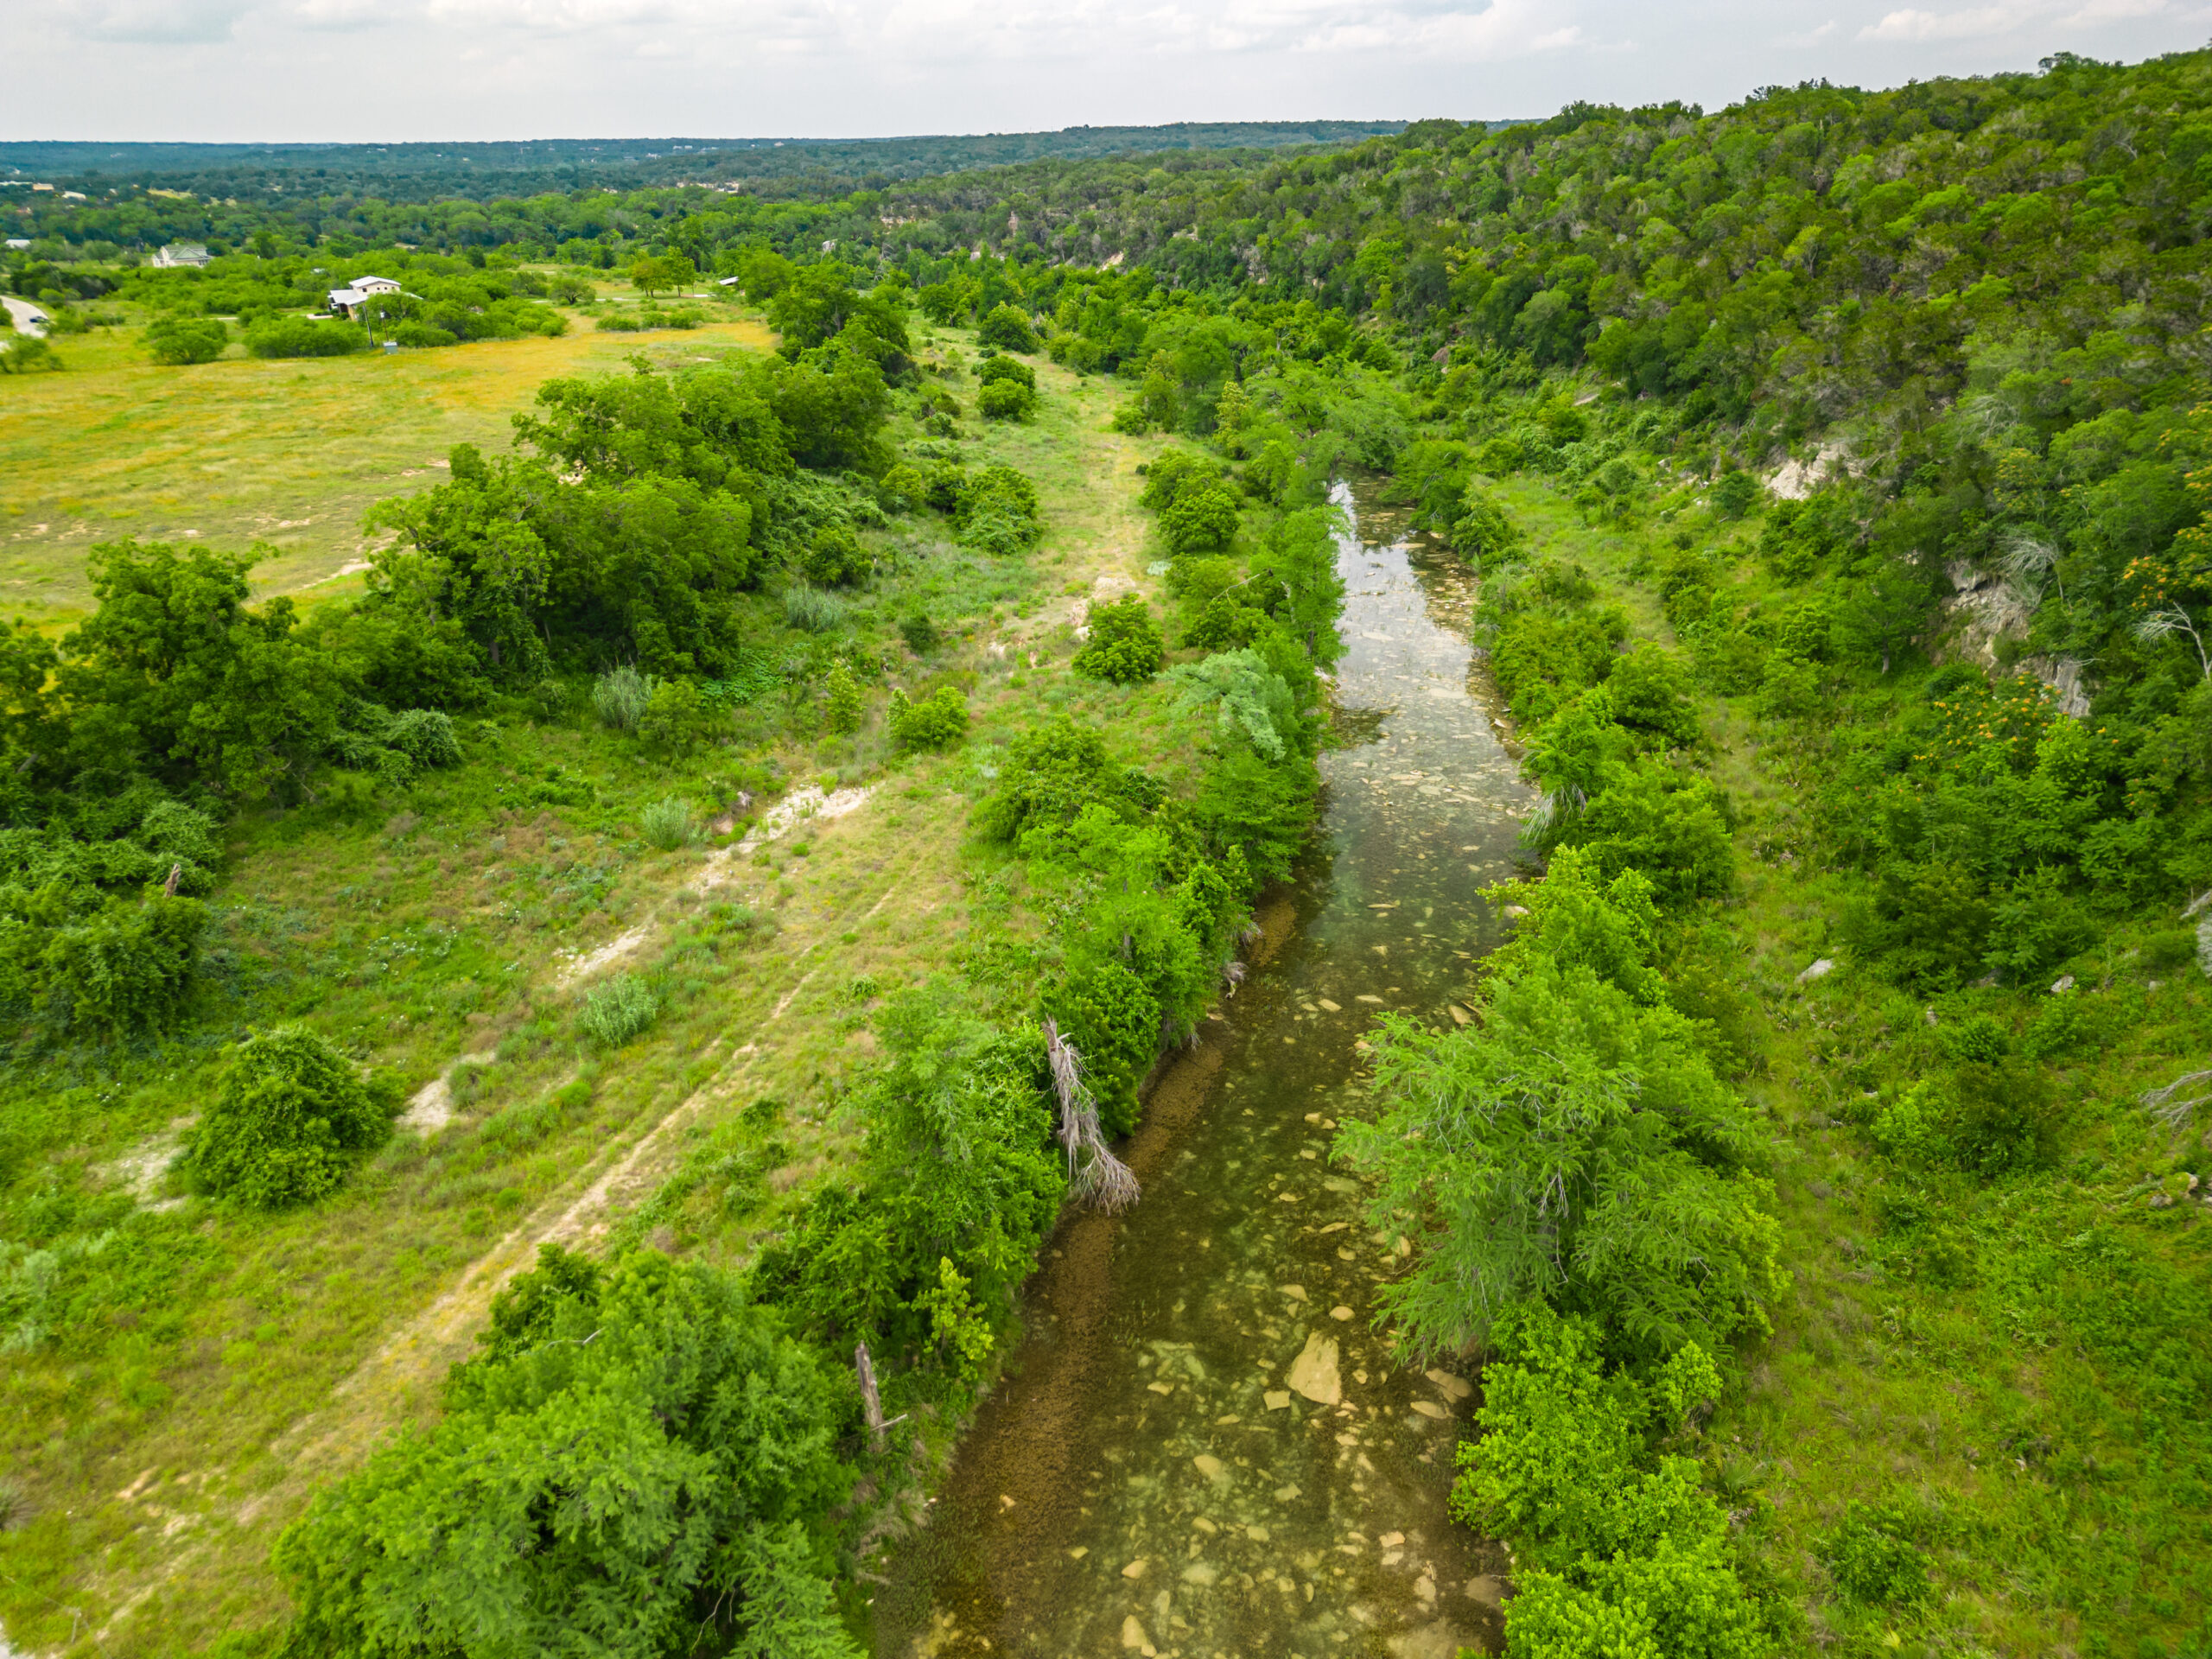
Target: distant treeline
x=778, y=166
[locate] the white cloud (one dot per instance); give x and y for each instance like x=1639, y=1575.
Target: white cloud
x=163, y=22
x=1917, y=27
x=2098, y=13
x=343, y=15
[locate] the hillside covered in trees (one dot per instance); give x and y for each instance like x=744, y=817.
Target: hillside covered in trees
x=1818, y=1167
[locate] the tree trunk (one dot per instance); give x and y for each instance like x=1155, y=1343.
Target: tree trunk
x=871, y=1402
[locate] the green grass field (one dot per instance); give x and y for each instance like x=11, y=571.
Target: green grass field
x=287, y=452
x=217, y=1367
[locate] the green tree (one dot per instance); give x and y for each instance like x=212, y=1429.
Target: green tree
x=1575, y=1147
x=640, y=1466
x=1124, y=646
x=1007, y=327
x=661, y=272
x=174, y=674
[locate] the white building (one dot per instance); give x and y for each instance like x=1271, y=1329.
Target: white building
x=174, y=255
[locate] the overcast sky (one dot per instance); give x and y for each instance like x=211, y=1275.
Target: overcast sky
x=427, y=69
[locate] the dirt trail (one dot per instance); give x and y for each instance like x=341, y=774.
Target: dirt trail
x=404, y=1370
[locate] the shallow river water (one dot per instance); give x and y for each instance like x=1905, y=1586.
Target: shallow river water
x=1202, y=1447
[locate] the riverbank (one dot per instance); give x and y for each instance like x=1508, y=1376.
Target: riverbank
x=1203, y=1444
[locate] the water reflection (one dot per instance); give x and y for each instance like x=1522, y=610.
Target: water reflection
x=1205, y=1448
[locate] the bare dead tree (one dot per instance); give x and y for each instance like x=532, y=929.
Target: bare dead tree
x=1101, y=1177
x=168, y=888
x=2177, y=1113
x=871, y=1402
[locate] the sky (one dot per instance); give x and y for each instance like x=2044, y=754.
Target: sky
x=395, y=70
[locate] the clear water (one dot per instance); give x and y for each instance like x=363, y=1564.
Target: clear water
x=1149, y=1478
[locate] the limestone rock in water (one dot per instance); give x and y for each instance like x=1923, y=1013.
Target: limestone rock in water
x=1430, y=1408
x=1277, y=1399
x=1451, y=1387
x=1209, y=1466
x=1132, y=1636
x=1313, y=1373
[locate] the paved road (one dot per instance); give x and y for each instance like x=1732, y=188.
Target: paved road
x=28, y=317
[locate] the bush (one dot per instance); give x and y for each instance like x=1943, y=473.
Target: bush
x=1008, y=328
x=994, y=370
x=617, y=1011
x=843, y=705
x=835, y=558
x=290, y=1115
x=938, y=722
x=678, y=718
x=303, y=337
x=122, y=970
x=1049, y=773
x=1200, y=519
x=919, y=633
x=1736, y=494
x=1124, y=646
x=997, y=513
x=621, y=696
x=669, y=823
x=1870, y=1562
x=811, y=611
x=1114, y=1019
x=640, y=1462
x=27, y=352
x=1005, y=400
x=421, y=336
x=180, y=340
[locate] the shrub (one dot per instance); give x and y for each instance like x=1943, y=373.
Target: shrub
x=993, y=369
x=303, y=337
x=27, y=352
x=122, y=970
x=421, y=336
x=678, y=718
x=938, y=722
x=617, y=1011
x=997, y=513
x=1736, y=494
x=919, y=633
x=835, y=558
x=1113, y=1018
x=621, y=696
x=180, y=340
x=1870, y=1562
x=640, y=1462
x=1049, y=773
x=1200, y=519
x=1006, y=400
x=811, y=611
x=669, y=823
x=1124, y=646
x=1007, y=327
x=290, y=1115
x=844, y=706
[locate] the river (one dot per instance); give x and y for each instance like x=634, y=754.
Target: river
x=1203, y=1448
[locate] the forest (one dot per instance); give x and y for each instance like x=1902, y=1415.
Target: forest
x=1818, y=1176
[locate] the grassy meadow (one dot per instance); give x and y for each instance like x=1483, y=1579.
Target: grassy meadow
x=216, y=1366
x=289, y=452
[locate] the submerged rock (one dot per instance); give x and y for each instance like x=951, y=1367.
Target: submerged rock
x=1313, y=1373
